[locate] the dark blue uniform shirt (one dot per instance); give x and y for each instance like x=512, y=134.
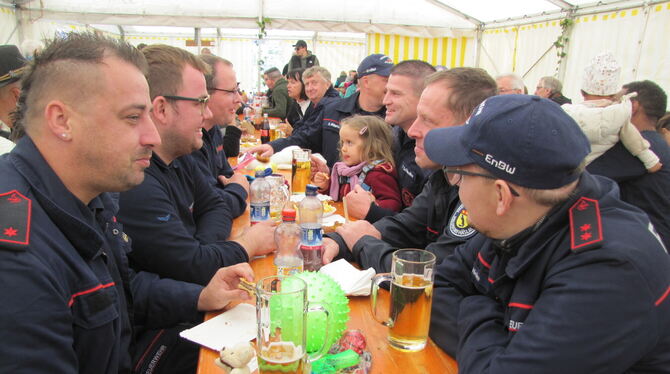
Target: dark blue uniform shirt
x=548, y=301
x=179, y=225
x=647, y=191
x=211, y=162
x=69, y=300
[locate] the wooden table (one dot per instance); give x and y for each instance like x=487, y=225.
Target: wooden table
x=385, y=359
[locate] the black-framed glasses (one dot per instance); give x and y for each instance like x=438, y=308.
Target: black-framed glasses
x=202, y=100
x=460, y=173
x=234, y=91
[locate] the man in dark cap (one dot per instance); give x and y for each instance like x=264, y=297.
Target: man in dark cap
x=302, y=58
x=11, y=68
x=563, y=277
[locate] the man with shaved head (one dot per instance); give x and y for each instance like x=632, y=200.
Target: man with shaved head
x=70, y=303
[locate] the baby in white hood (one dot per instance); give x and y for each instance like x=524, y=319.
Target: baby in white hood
x=604, y=116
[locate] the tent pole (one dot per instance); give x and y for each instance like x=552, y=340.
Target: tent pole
x=640, y=42
x=478, y=40
x=122, y=32
x=197, y=39
x=218, y=41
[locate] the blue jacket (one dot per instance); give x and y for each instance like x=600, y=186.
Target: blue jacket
x=179, y=225
x=69, y=301
x=211, y=162
x=436, y=222
x=305, y=131
x=560, y=298
x=647, y=191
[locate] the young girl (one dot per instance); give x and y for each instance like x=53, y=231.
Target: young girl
x=366, y=160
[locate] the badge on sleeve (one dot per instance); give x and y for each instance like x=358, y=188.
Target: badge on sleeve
x=459, y=226
x=586, y=229
x=14, y=220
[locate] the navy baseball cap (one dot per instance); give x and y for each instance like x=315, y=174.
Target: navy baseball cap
x=523, y=139
x=375, y=64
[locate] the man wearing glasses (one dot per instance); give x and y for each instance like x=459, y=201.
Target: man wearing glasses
x=70, y=303
x=178, y=223
x=563, y=277
x=211, y=158
x=436, y=220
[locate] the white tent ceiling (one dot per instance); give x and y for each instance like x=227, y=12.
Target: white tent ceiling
x=424, y=18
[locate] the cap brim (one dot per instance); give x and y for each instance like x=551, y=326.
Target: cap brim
x=445, y=147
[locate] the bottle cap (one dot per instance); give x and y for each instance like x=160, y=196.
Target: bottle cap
x=310, y=190
x=288, y=214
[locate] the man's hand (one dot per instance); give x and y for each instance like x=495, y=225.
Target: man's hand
x=352, y=232
x=317, y=165
x=264, y=149
x=286, y=128
x=358, y=202
x=222, y=288
x=258, y=239
x=235, y=178
x=330, y=250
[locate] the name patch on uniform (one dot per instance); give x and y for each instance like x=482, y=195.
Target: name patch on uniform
x=459, y=225
x=15, y=210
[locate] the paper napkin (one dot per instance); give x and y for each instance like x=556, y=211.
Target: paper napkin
x=354, y=282
x=225, y=330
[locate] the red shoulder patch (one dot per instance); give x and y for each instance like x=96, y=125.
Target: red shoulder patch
x=586, y=229
x=15, y=211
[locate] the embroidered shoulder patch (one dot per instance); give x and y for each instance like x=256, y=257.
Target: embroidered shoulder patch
x=586, y=230
x=459, y=225
x=15, y=210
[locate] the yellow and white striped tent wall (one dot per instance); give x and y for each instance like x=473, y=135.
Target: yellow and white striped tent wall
x=449, y=52
x=7, y=26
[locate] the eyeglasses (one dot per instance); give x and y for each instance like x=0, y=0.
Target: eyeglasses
x=202, y=100
x=234, y=91
x=461, y=173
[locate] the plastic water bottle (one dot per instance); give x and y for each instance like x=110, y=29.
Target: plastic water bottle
x=311, y=243
x=288, y=259
x=260, y=191
x=247, y=113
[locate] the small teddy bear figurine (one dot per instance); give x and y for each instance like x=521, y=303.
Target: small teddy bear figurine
x=234, y=360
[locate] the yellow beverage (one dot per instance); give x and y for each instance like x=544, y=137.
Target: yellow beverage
x=300, y=176
x=411, y=299
x=273, y=133
x=281, y=358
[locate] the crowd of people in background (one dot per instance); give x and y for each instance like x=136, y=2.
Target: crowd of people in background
x=548, y=218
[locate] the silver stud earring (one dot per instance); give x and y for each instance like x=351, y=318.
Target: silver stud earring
x=64, y=135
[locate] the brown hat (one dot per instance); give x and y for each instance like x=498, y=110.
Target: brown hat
x=12, y=64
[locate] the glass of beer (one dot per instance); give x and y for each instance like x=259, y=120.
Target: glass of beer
x=300, y=170
x=279, y=195
x=281, y=313
x=411, y=280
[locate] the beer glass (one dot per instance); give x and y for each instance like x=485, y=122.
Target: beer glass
x=300, y=170
x=411, y=280
x=281, y=311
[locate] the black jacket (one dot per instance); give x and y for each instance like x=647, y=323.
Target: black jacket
x=558, y=299
x=178, y=223
x=435, y=221
x=647, y=191
x=70, y=304
x=212, y=162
